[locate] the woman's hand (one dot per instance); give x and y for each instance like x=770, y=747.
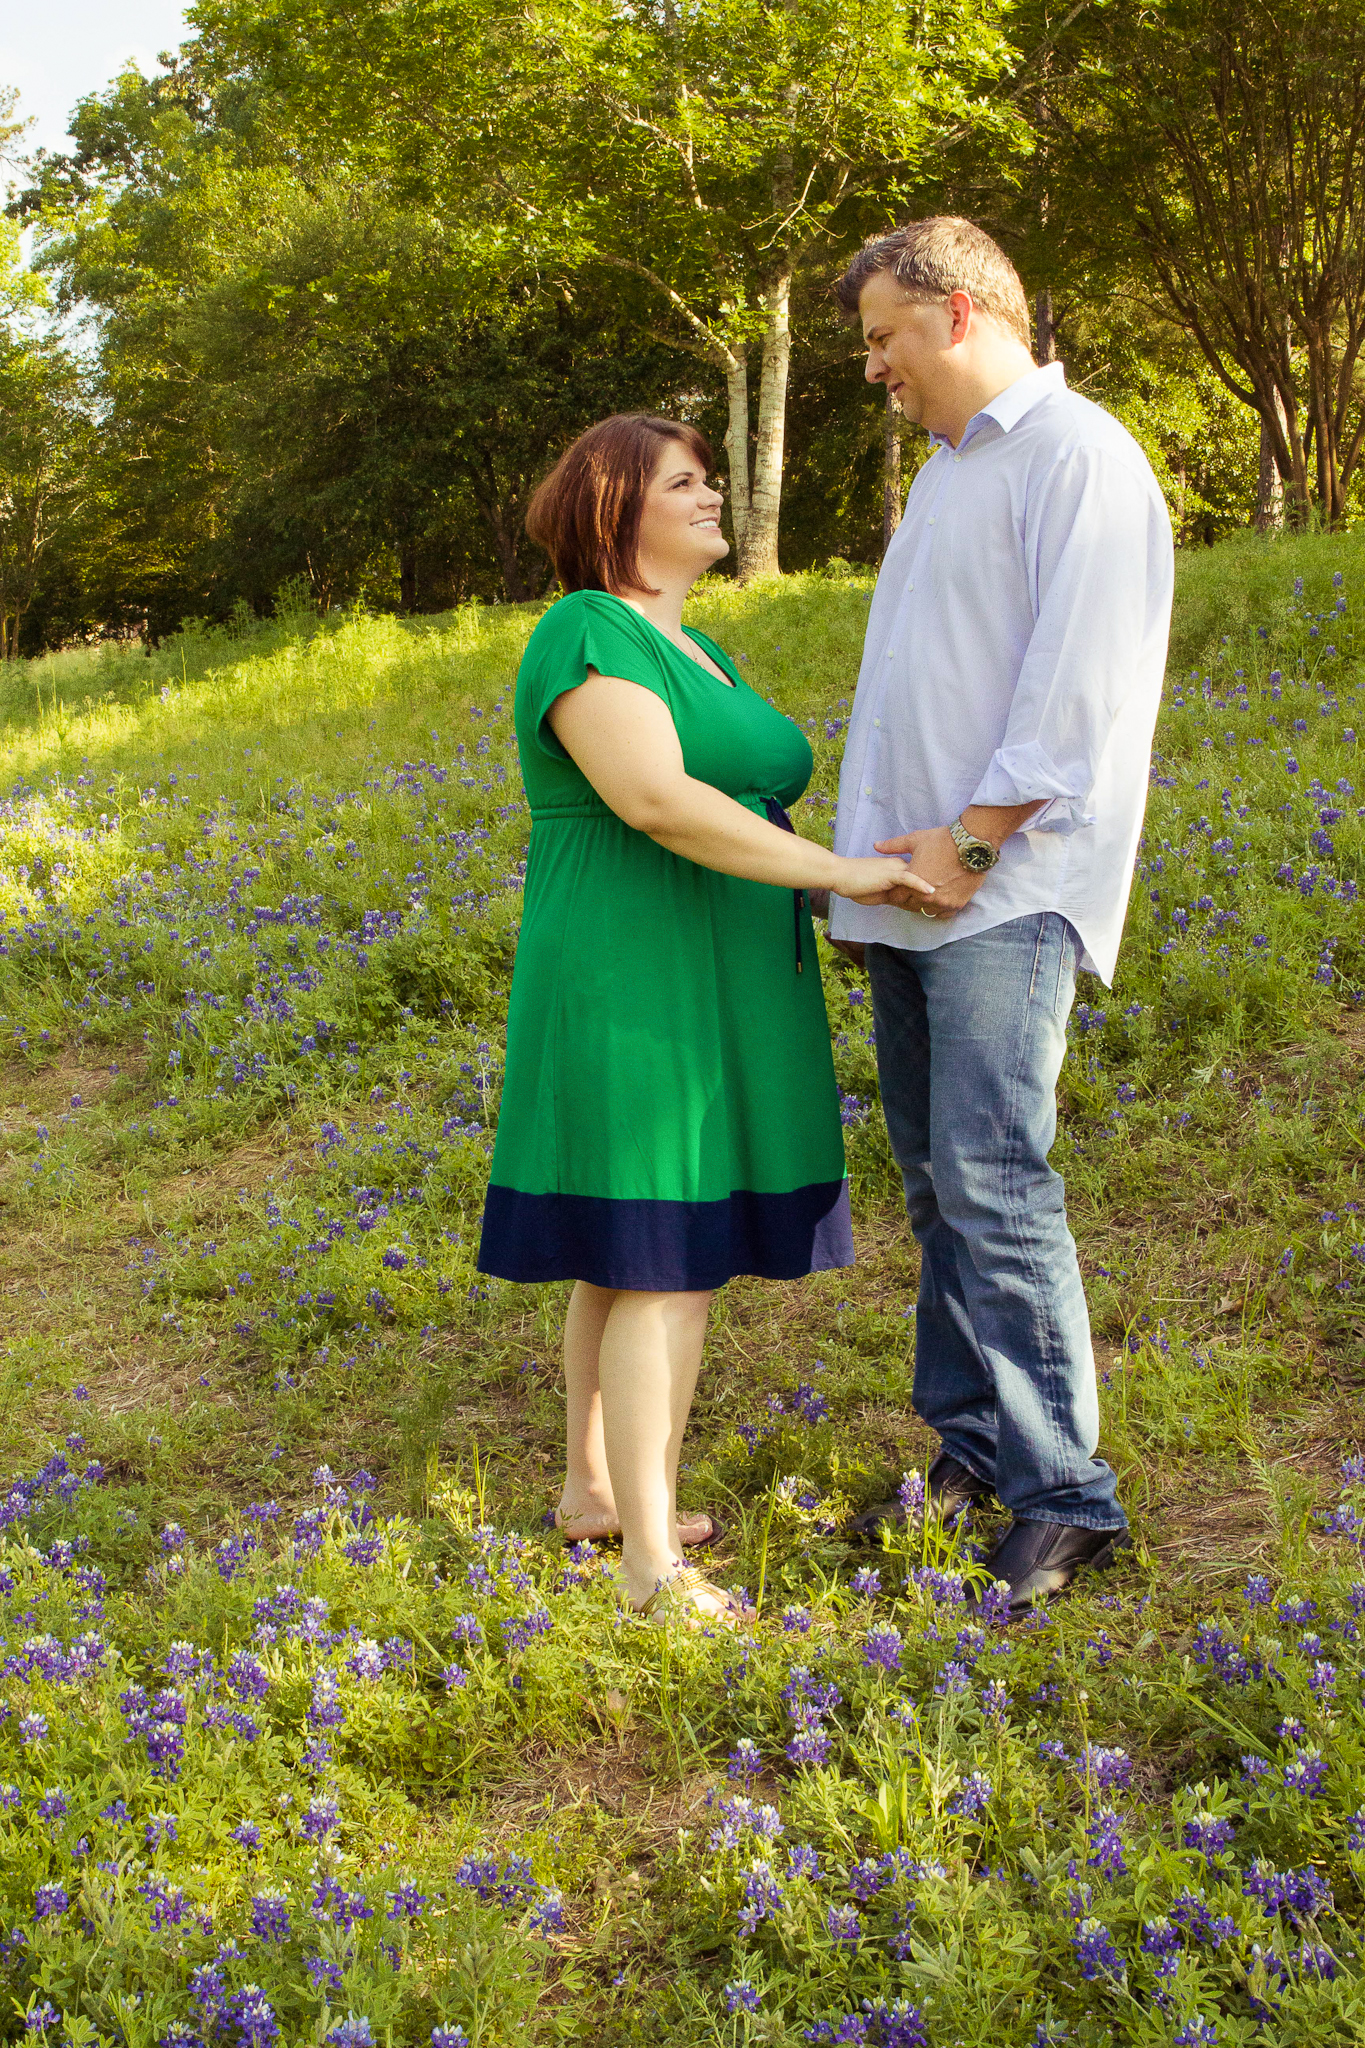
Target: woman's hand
x=879, y=879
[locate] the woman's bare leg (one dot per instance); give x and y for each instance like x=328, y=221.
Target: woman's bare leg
x=587, y=1496
x=587, y=1506
x=648, y=1360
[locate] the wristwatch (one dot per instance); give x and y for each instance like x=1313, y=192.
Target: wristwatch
x=978, y=856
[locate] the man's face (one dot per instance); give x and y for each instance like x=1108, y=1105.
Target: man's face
x=909, y=342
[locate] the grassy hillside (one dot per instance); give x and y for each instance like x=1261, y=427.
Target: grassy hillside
x=309, y=1726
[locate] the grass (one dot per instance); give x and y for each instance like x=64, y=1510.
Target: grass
x=259, y=892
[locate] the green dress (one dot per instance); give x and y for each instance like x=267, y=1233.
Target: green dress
x=669, y=1113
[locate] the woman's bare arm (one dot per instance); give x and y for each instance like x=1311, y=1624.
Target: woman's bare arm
x=627, y=746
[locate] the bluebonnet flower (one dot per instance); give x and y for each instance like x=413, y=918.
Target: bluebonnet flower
x=1095, y=1952
x=879, y=2024
x=974, y=1796
x=270, y=1916
x=945, y=1589
x=49, y=1901
x=466, y=1629
x=1322, y=1680
x=33, y=1730
x=882, y=1648
x=406, y=1901
x=1197, y=2033
x=745, y=1760
x=845, y=1928
x=867, y=1582
x=352, y=2032
x=449, y=2037
x=39, y=2018
x=321, y=1817
x=1294, y=1894
x=1211, y=1836
x=1306, y=1773
x=547, y=1914
x=995, y=1700
x=246, y=1834
x=247, y=1676
x=994, y=1604
x=1105, y=1767
x=1160, y=1938
x=739, y=1816
x=762, y=1896
x=54, y=1805
x=1106, y=1842
x=953, y=1678
x=741, y=1997
x=519, y=1631
x=325, y=1709
x=796, y=1621
x=1191, y=1912
x=802, y=1861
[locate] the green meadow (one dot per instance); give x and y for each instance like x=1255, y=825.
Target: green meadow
x=311, y=1732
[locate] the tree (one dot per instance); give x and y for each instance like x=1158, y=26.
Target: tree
x=44, y=433
x=1222, y=144
x=720, y=153
x=297, y=374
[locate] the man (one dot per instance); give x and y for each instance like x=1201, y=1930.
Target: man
x=1001, y=736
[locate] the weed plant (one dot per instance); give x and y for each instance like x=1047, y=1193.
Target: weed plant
x=310, y=1732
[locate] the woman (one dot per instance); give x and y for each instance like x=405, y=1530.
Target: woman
x=669, y=1115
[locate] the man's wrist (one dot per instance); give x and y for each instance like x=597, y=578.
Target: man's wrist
x=997, y=823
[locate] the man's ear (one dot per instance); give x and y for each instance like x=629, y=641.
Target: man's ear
x=961, y=311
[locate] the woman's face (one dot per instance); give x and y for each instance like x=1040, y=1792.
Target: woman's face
x=680, y=520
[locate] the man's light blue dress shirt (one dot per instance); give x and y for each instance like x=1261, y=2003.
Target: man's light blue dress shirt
x=1015, y=651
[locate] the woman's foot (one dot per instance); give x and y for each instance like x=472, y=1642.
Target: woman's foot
x=600, y=1525
x=686, y=1596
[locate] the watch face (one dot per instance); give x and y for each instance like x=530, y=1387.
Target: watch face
x=979, y=859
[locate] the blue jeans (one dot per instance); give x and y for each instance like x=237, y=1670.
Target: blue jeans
x=970, y=1039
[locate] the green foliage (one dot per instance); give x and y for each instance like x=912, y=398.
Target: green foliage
x=1007, y=1829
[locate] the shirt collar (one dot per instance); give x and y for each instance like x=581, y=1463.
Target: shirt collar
x=1009, y=406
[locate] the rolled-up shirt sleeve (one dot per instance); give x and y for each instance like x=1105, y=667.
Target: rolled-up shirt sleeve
x=1099, y=560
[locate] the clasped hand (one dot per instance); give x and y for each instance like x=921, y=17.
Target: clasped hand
x=934, y=859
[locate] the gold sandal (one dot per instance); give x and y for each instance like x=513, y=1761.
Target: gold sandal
x=673, y=1596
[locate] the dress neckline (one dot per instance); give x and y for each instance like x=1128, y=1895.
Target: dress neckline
x=726, y=682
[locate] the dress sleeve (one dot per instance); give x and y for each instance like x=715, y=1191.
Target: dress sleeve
x=586, y=630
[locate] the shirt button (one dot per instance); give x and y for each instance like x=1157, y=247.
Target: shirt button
x=957, y=458
x=867, y=789
x=909, y=586
x=933, y=522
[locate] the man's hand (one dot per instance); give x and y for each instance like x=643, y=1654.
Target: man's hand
x=933, y=855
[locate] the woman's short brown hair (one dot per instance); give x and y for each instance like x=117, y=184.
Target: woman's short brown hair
x=586, y=514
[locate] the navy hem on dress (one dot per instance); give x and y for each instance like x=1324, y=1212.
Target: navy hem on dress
x=666, y=1247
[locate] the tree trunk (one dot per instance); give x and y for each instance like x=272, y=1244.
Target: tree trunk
x=1269, y=482
x=1047, y=332
x=891, y=472
x=737, y=446
x=758, y=550
x=407, y=577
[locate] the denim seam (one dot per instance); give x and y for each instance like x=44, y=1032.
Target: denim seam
x=1044, y=1352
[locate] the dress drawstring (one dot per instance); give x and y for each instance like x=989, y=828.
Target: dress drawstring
x=777, y=816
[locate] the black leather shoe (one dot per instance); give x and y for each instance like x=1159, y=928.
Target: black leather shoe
x=1038, y=1559
x=952, y=1489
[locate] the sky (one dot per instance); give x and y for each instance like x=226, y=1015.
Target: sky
x=57, y=51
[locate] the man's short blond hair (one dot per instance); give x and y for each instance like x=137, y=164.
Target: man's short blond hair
x=932, y=258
